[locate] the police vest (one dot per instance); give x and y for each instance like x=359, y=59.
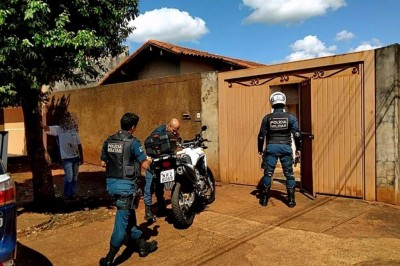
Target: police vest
x=278, y=128
x=121, y=163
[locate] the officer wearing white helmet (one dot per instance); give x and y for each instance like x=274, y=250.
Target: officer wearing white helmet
x=277, y=129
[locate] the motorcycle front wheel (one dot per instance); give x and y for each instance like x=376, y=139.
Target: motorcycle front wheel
x=210, y=195
x=182, y=209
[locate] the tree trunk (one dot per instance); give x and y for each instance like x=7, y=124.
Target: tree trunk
x=42, y=179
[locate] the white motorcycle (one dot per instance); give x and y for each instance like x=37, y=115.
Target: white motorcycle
x=194, y=187
x=185, y=172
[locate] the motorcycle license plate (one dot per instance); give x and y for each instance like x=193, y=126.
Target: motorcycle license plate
x=167, y=176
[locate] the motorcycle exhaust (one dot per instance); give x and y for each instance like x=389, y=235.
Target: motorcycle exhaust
x=180, y=170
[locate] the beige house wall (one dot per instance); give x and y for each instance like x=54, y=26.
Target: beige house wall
x=156, y=101
x=158, y=68
x=168, y=66
x=190, y=65
x=13, y=122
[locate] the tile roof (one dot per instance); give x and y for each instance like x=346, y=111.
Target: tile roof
x=178, y=50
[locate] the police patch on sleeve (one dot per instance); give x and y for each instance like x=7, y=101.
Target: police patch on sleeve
x=279, y=123
x=141, y=149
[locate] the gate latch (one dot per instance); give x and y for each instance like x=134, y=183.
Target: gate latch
x=307, y=135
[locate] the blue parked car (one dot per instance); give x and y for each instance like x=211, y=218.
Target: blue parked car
x=8, y=218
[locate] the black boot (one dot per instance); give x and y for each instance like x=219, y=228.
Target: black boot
x=161, y=208
x=108, y=260
x=290, y=197
x=148, y=214
x=265, y=196
x=144, y=247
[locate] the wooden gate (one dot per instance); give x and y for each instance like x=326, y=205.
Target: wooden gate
x=338, y=140
x=243, y=108
x=337, y=150
x=307, y=184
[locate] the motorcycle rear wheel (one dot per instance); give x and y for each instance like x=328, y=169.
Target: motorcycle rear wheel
x=184, y=215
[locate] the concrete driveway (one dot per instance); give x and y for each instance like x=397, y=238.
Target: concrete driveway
x=235, y=230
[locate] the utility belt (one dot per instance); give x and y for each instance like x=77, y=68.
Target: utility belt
x=288, y=142
x=134, y=179
x=127, y=202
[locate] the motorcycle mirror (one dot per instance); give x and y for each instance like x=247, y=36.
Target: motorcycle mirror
x=203, y=128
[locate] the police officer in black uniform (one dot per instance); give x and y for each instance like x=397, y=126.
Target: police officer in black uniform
x=277, y=128
x=123, y=156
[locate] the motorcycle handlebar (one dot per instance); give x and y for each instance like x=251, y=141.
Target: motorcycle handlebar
x=193, y=143
x=197, y=141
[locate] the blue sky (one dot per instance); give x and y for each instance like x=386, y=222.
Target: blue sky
x=269, y=31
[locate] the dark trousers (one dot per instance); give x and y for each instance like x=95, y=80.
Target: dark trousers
x=272, y=153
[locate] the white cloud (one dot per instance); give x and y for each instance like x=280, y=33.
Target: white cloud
x=344, y=35
x=309, y=47
x=368, y=45
x=289, y=11
x=167, y=24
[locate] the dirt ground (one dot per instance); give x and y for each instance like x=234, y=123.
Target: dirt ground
x=91, y=204
x=234, y=230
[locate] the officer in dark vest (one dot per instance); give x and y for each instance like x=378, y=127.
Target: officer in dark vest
x=173, y=127
x=277, y=128
x=123, y=156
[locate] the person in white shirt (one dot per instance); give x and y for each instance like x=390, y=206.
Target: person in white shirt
x=70, y=151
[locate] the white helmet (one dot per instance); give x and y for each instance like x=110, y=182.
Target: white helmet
x=277, y=98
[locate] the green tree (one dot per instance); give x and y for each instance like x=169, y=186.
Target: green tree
x=46, y=41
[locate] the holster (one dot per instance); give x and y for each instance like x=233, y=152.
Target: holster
x=296, y=160
x=130, y=202
x=263, y=164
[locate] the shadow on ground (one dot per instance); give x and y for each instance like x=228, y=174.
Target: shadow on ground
x=28, y=256
x=129, y=249
x=91, y=194
x=279, y=195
